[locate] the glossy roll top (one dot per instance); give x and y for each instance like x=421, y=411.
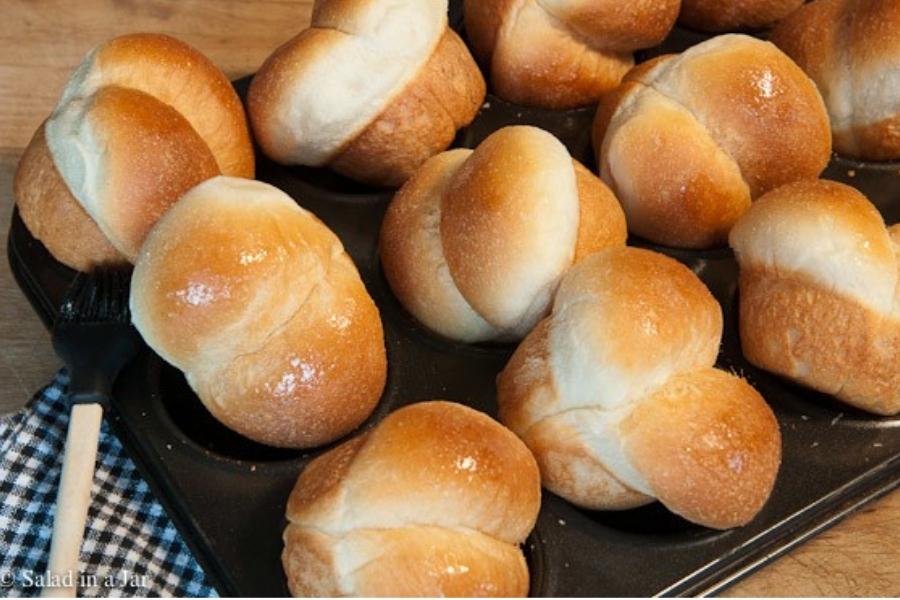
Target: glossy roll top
x=475, y=243
x=257, y=302
x=434, y=501
x=143, y=119
x=616, y=395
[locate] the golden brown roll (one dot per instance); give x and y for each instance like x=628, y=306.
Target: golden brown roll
x=563, y=53
x=143, y=119
x=688, y=141
x=434, y=501
x=257, y=302
x=851, y=49
x=475, y=243
x=819, y=292
x=372, y=89
x=616, y=395
x=714, y=15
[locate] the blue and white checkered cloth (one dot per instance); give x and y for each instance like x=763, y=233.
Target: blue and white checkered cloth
x=130, y=546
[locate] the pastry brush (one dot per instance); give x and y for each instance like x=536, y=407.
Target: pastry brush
x=94, y=337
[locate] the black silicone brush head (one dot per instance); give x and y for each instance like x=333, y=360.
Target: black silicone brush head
x=93, y=333
x=99, y=296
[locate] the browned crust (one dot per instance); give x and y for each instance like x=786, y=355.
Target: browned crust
x=653, y=307
x=807, y=37
x=553, y=70
x=526, y=380
x=793, y=326
x=154, y=157
x=322, y=478
x=504, y=251
x=54, y=216
x=483, y=20
x=155, y=153
x=562, y=457
x=610, y=101
x=418, y=561
x=676, y=184
x=749, y=91
x=314, y=381
x=842, y=45
x=309, y=564
x=562, y=56
x=878, y=141
x=463, y=491
x=617, y=25
x=716, y=16
x=601, y=221
x=196, y=84
x=420, y=121
x=708, y=445
x=256, y=301
x=713, y=139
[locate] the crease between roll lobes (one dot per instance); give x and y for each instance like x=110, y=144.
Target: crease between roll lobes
x=616, y=395
x=820, y=292
x=686, y=141
x=475, y=243
x=462, y=495
x=562, y=53
x=257, y=302
x=143, y=119
x=316, y=100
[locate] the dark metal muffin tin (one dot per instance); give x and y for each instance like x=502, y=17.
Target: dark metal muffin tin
x=227, y=494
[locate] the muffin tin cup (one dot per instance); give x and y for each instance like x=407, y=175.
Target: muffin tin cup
x=227, y=495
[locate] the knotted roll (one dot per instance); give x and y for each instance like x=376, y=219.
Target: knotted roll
x=851, y=49
x=820, y=292
x=143, y=119
x=257, y=302
x=432, y=502
x=372, y=89
x=563, y=53
x=714, y=15
x=687, y=141
x=616, y=395
x=475, y=243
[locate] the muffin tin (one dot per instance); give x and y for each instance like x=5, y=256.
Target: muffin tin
x=227, y=494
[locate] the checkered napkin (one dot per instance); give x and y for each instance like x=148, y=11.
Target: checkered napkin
x=130, y=547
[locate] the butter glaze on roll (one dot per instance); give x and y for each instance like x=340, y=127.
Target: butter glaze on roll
x=563, y=53
x=143, y=119
x=434, y=501
x=688, y=141
x=372, y=89
x=851, y=49
x=715, y=15
x=475, y=243
x=616, y=395
x=255, y=300
x=820, y=292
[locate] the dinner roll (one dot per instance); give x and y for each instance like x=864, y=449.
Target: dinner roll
x=616, y=395
x=687, y=141
x=562, y=53
x=257, y=302
x=372, y=89
x=434, y=501
x=851, y=49
x=819, y=293
x=715, y=15
x=143, y=119
x=475, y=243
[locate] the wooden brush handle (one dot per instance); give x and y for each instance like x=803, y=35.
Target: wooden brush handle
x=73, y=498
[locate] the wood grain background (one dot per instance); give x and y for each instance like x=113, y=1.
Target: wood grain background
x=41, y=41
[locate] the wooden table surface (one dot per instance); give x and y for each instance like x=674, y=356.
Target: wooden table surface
x=41, y=41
